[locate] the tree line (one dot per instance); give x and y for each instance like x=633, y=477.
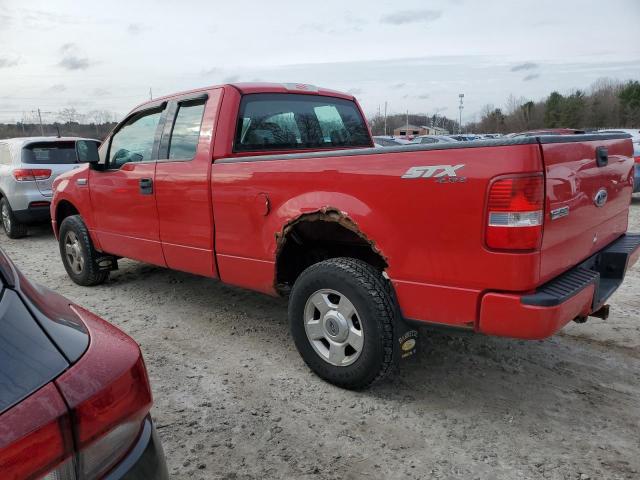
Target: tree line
x=69, y=123
x=606, y=104
x=91, y=130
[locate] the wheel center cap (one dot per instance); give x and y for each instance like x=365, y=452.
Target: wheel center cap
x=336, y=326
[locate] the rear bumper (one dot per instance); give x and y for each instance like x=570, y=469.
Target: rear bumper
x=574, y=294
x=33, y=214
x=145, y=460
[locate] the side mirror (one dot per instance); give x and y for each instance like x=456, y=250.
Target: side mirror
x=87, y=151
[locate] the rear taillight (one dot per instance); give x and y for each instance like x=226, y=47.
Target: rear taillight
x=108, y=424
x=31, y=174
x=46, y=450
x=515, y=213
x=636, y=159
x=109, y=395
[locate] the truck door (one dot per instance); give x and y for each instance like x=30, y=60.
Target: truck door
x=123, y=193
x=183, y=192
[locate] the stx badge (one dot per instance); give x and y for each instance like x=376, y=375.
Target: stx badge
x=442, y=173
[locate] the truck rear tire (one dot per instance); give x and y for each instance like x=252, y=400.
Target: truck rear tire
x=12, y=227
x=341, y=317
x=78, y=253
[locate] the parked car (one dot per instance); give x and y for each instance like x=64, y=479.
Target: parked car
x=74, y=391
x=388, y=141
x=276, y=188
x=634, y=132
x=465, y=137
x=547, y=131
x=28, y=167
x=426, y=139
x=635, y=138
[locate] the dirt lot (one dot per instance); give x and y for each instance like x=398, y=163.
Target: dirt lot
x=233, y=400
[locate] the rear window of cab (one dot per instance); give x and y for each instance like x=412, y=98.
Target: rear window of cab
x=282, y=121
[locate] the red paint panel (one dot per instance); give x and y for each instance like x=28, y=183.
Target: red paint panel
x=66, y=189
x=126, y=221
x=504, y=316
x=248, y=273
x=183, y=197
x=430, y=232
x=572, y=180
x=437, y=303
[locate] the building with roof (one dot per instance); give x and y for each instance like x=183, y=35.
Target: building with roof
x=414, y=131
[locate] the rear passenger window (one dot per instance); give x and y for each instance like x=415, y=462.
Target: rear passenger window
x=281, y=121
x=186, y=131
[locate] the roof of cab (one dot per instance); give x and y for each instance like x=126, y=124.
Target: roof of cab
x=246, y=88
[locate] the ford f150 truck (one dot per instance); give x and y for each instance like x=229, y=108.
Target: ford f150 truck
x=277, y=188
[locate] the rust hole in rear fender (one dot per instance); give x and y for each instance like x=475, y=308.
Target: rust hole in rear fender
x=315, y=236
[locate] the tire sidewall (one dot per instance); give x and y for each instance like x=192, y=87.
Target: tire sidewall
x=75, y=225
x=17, y=230
x=365, y=369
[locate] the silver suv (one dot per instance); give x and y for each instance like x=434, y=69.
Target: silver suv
x=28, y=167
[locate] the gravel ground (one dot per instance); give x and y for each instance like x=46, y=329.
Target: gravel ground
x=233, y=400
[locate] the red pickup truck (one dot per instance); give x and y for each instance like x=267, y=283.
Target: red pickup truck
x=276, y=188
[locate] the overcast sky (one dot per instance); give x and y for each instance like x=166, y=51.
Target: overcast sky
x=416, y=55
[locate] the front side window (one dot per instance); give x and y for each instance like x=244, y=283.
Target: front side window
x=281, y=121
x=186, y=131
x=133, y=142
x=52, y=153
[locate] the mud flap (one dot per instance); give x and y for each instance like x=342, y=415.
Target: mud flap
x=405, y=341
x=107, y=262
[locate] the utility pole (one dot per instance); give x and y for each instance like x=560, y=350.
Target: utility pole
x=385, y=118
x=41, y=127
x=150, y=94
x=461, y=107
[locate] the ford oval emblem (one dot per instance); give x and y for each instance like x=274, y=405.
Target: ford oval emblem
x=601, y=198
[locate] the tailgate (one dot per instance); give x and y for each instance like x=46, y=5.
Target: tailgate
x=57, y=156
x=45, y=186
x=587, y=200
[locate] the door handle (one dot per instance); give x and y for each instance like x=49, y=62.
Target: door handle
x=146, y=186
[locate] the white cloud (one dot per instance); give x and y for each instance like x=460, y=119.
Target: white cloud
x=452, y=48
x=411, y=16
x=524, y=66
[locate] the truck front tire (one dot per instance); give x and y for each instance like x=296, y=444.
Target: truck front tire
x=12, y=227
x=78, y=254
x=341, y=317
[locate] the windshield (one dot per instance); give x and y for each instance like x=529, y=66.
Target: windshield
x=50, y=153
